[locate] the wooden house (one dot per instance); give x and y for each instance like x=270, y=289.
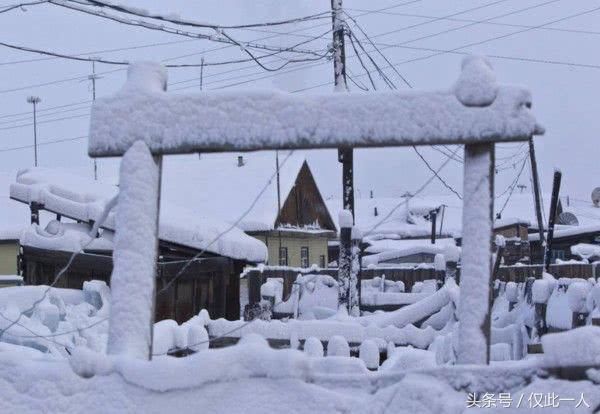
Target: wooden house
x=516, y=237
x=210, y=282
x=14, y=217
x=564, y=238
x=279, y=203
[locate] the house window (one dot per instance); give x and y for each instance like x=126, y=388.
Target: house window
x=283, y=256
x=322, y=263
x=557, y=254
x=304, y=256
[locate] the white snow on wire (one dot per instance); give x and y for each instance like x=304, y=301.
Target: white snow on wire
x=253, y=120
x=84, y=199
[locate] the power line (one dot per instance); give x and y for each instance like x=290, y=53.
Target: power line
x=221, y=35
x=46, y=121
x=435, y=173
x=414, y=194
x=170, y=65
x=229, y=45
x=453, y=19
x=441, y=52
x=120, y=49
x=46, y=109
x=58, y=141
x=182, y=22
x=512, y=188
x=206, y=51
x=18, y=6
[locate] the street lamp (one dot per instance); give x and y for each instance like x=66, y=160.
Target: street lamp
x=34, y=100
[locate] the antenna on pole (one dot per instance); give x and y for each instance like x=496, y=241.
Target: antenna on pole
x=34, y=100
x=93, y=78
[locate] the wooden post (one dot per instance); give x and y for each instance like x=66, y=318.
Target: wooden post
x=440, y=266
x=475, y=280
x=158, y=161
x=346, y=158
x=433, y=214
x=355, y=274
x=345, y=259
x=552, y=218
x=579, y=319
x=34, y=208
x=536, y=192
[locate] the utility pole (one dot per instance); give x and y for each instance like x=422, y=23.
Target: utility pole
x=345, y=155
x=201, y=72
x=551, y=219
x=349, y=261
x=536, y=192
x=34, y=100
x=93, y=78
x=278, y=207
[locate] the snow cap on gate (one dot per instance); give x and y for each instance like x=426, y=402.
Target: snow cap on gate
x=146, y=77
x=476, y=85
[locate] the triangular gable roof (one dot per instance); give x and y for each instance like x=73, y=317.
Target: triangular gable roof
x=215, y=186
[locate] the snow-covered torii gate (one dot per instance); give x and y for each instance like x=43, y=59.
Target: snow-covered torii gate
x=143, y=120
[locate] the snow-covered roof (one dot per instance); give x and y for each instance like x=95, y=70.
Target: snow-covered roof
x=568, y=231
x=215, y=186
x=83, y=199
x=408, y=248
x=14, y=217
x=475, y=109
x=586, y=212
x=67, y=237
x=402, y=222
x=379, y=246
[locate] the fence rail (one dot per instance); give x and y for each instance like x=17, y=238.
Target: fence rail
x=410, y=276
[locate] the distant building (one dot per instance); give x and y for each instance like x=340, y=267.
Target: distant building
x=564, y=238
x=14, y=217
x=246, y=190
x=397, y=229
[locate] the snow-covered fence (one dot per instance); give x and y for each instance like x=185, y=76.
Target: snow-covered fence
x=258, y=276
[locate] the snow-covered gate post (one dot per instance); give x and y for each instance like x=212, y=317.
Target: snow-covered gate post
x=133, y=280
x=475, y=279
x=476, y=112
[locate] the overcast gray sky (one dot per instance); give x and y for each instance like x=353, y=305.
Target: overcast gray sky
x=564, y=86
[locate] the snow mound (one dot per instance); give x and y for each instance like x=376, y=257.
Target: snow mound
x=145, y=76
x=476, y=85
x=572, y=348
